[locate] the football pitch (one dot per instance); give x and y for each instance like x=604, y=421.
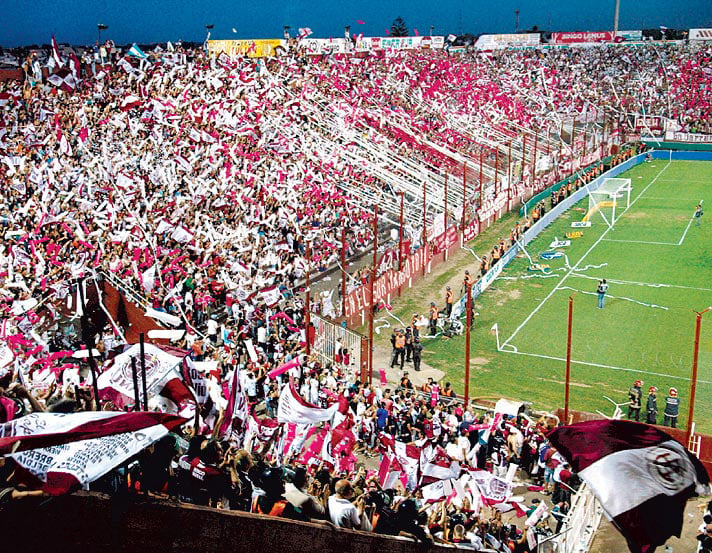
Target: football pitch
x=658, y=264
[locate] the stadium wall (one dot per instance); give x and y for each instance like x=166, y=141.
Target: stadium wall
x=94, y=523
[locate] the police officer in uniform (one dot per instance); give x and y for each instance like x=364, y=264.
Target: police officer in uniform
x=635, y=395
x=672, y=409
x=651, y=409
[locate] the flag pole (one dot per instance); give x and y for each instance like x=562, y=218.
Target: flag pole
x=464, y=194
x=468, y=330
x=373, y=294
x=568, y=358
x=137, y=398
x=307, y=301
x=343, y=270
x=693, y=380
x=400, y=235
x=425, y=226
x=143, y=370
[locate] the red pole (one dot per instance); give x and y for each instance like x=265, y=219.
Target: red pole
x=496, y=170
x=481, y=187
x=509, y=177
x=343, y=270
x=400, y=235
x=307, y=301
x=573, y=137
x=373, y=296
x=425, y=228
x=464, y=193
x=548, y=141
x=568, y=359
x=584, y=137
x=524, y=153
x=693, y=381
x=468, y=327
x=536, y=145
x=370, y=327
x=445, y=205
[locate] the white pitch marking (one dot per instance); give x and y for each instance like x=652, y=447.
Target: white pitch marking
x=560, y=283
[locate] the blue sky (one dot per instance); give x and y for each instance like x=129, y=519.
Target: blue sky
x=161, y=20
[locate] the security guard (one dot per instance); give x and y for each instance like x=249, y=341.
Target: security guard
x=433, y=322
x=449, y=298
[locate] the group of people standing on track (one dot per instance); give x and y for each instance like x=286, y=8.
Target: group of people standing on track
x=635, y=399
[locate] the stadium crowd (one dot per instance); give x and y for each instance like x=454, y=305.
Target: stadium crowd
x=197, y=183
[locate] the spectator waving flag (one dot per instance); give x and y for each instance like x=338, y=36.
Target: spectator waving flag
x=136, y=52
x=304, y=32
x=641, y=476
x=65, y=451
x=56, y=54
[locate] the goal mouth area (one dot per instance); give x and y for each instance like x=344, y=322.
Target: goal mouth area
x=613, y=193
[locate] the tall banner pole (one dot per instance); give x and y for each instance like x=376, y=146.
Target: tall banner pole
x=464, y=194
x=307, y=301
x=568, y=359
x=468, y=330
x=425, y=228
x=374, y=272
x=400, y=235
x=482, y=199
x=343, y=270
x=509, y=177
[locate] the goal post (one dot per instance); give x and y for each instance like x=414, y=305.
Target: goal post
x=608, y=201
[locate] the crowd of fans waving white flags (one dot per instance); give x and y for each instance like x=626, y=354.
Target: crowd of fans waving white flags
x=194, y=184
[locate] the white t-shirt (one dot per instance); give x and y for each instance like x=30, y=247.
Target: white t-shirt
x=343, y=513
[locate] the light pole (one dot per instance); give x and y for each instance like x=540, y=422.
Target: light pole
x=432, y=28
x=615, y=17
x=516, y=20
x=286, y=32
x=101, y=27
x=693, y=380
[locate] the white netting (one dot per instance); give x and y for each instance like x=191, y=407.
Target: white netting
x=608, y=201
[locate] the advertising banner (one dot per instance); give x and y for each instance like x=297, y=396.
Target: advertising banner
x=688, y=137
x=501, y=42
x=700, y=34
x=632, y=36
x=445, y=240
x=319, y=46
x=358, y=300
x=580, y=37
x=258, y=48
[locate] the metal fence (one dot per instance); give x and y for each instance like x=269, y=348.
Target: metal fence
x=329, y=337
x=580, y=525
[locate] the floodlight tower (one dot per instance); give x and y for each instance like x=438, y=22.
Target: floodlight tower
x=615, y=17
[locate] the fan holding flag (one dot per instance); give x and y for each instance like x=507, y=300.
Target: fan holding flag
x=641, y=476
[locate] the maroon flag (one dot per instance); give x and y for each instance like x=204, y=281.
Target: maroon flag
x=61, y=452
x=641, y=476
x=63, y=79
x=55, y=53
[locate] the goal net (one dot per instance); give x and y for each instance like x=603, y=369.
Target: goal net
x=608, y=201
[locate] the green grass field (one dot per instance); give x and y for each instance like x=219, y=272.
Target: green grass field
x=659, y=267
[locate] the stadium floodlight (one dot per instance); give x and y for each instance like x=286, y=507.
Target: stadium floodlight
x=607, y=200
